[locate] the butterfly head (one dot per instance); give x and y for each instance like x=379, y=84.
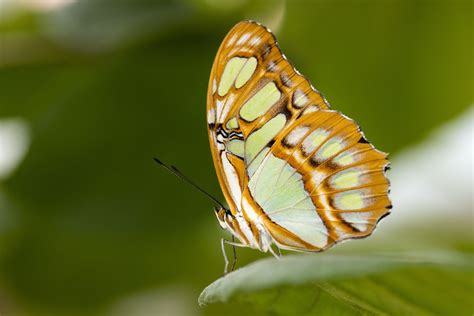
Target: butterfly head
x=222, y=214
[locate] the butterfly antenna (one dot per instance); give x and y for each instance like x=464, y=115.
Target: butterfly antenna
x=178, y=173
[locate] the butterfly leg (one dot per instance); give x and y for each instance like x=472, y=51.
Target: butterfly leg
x=234, y=261
x=277, y=256
x=226, y=261
x=234, y=252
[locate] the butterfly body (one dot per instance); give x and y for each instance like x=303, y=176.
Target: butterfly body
x=294, y=172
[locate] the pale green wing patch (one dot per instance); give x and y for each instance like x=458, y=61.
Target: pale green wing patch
x=236, y=147
x=246, y=73
x=257, y=141
x=232, y=124
x=230, y=73
x=287, y=205
x=261, y=102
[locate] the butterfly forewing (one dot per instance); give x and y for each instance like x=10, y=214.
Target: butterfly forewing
x=287, y=164
x=249, y=65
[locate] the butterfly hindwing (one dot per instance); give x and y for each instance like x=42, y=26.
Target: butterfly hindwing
x=329, y=182
x=287, y=164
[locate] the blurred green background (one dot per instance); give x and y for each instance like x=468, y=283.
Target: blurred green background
x=90, y=225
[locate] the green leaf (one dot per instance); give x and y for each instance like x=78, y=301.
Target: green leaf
x=396, y=284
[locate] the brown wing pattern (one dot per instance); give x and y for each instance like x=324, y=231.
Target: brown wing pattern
x=343, y=173
x=266, y=120
x=251, y=40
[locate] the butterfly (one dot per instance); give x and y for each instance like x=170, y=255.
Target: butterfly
x=295, y=173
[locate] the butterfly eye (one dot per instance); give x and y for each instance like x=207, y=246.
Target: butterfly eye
x=220, y=214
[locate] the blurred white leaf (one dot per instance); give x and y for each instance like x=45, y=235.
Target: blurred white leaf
x=14, y=143
x=45, y=5
x=434, y=180
x=101, y=25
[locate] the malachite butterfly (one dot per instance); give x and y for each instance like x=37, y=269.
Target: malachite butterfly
x=295, y=173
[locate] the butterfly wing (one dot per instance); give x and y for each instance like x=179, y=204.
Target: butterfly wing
x=248, y=60
x=320, y=182
x=274, y=168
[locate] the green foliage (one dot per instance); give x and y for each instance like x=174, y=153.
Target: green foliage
x=396, y=284
x=88, y=219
